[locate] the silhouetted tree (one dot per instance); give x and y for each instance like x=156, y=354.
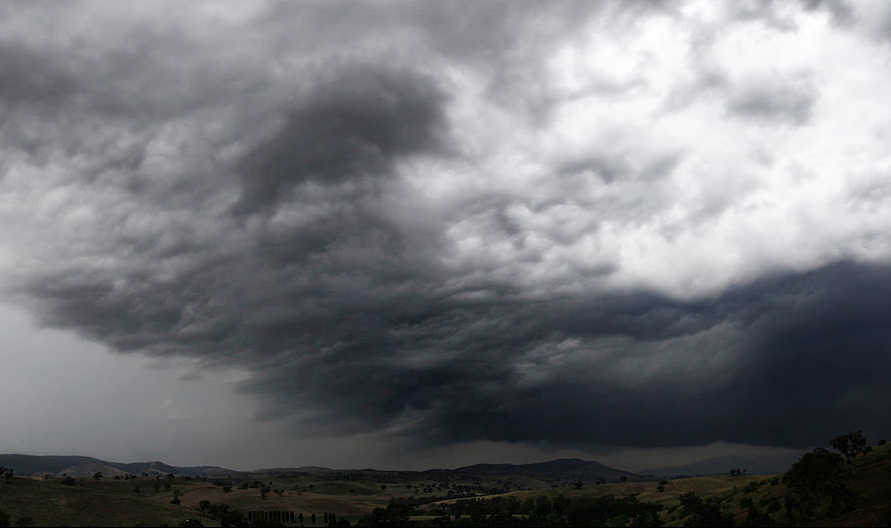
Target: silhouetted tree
x=850, y=445
x=97, y=475
x=816, y=487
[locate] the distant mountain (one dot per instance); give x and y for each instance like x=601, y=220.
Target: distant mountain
x=78, y=466
x=753, y=464
x=563, y=468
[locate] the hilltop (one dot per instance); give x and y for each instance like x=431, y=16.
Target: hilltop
x=562, y=468
x=82, y=466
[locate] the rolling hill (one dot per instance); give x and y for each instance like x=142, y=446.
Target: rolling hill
x=751, y=500
x=81, y=466
x=563, y=469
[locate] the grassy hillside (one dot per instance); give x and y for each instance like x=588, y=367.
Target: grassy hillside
x=728, y=490
x=872, y=486
x=55, y=504
x=747, y=500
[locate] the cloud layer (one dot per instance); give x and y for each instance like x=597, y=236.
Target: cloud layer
x=633, y=224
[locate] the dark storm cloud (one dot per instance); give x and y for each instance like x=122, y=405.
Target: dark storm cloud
x=29, y=76
x=306, y=196
x=804, y=356
x=356, y=122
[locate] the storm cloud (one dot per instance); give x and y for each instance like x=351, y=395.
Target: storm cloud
x=629, y=224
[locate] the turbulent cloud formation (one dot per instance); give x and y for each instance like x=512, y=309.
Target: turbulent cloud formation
x=631, y=224
x=352, y=125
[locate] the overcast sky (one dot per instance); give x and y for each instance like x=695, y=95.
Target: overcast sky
x=414, y=234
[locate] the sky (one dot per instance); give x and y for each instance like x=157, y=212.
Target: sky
x=424, y=234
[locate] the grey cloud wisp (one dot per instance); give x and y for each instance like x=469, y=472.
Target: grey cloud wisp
x=444, y=233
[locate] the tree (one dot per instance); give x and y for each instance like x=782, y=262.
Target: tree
x=233, y=518
x=816, y=488
x=850, y=445
x=703, y=513
x=25, y=522
x=97, y=475
x=4, y=518
x=176, y=495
